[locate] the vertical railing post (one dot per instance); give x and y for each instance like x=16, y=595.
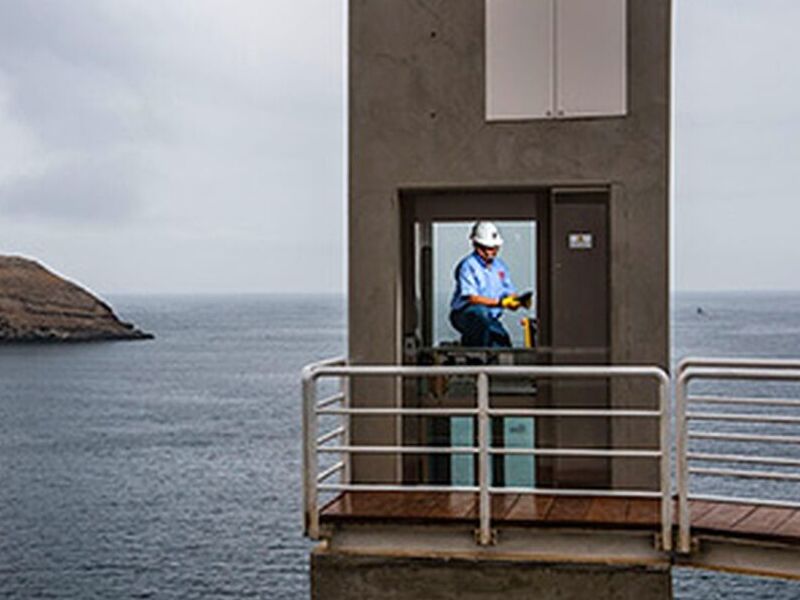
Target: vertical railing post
x=345, y=389
x=666, y=481
x=398, y=428
x=484, y=465
x=682, y=463
x=310, y=508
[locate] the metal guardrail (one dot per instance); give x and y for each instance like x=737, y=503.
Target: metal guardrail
x=338, y=405
x=730, y=369
x=309, y=433
x=336, y=441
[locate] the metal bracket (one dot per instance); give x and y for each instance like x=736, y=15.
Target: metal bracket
x=658, y=541
x=493, y=537
x=694, y=547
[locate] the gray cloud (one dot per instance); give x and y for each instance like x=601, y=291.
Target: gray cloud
x=102, y=192
x=207, y=136
x=215, y=127
x=737, y=119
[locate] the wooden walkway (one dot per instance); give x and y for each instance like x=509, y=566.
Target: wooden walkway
x=746, y=520
x=739, y=520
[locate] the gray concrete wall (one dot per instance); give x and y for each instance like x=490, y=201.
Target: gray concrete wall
x=417, y=120
x=343, y=577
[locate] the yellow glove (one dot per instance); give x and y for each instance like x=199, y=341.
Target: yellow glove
x=510, y=302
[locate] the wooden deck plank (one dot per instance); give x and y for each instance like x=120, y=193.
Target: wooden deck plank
x=699, y=508
x=530, y=508
x=418, y=506
x=371, y=504
x=438, y=505
x=502, y=505
x=791, y=528
x=608, y=511
x=764, y=520
x=723, y=517
x=642, y=511
x=403, y=506
x=455, y=505
x=568, y=509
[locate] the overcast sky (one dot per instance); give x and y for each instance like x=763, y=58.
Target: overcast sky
x=737, y=145
x=180, y=145
x=197, y=145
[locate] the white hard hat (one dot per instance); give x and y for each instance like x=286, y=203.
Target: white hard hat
x=486, y=234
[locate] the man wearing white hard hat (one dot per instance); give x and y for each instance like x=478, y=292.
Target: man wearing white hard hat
x=483, y=290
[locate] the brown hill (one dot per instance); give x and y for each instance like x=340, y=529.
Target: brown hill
x=39, y=306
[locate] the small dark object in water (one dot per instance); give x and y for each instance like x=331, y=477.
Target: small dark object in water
x=700, y=310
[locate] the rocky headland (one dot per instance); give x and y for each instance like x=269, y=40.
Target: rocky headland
x=37, y=305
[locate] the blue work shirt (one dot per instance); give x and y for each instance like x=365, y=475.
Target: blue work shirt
x=474, y=277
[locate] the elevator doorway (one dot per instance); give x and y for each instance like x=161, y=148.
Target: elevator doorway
x=556, y=246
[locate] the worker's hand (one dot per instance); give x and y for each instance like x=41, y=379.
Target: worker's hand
x=510, y=302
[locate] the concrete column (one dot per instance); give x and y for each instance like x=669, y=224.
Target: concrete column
x=347, y=577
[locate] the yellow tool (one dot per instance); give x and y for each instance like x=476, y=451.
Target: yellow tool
x=529, y=331
x=525, y=299
x=529, y=324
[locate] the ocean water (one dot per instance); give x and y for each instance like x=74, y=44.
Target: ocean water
x=765, y=325
x=171, y=468
x=163, y=469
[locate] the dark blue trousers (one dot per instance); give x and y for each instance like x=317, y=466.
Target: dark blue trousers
x=478, y=328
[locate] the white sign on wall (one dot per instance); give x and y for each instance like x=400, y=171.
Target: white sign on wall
x=580, y=241
x=555, y=59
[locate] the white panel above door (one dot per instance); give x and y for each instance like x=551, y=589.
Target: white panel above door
x=519, y=59
x=591, y=58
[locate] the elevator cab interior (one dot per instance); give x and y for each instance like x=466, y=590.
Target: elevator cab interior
x=556, y=244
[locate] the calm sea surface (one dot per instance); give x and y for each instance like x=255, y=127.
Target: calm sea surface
x=171, y=468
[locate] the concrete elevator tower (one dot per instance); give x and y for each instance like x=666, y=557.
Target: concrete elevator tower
x=552, y=119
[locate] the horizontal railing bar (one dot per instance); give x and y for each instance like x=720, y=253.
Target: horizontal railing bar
x=542, y=371
x=762, y=460
x=745, y=437
x=739, y=417
x=332, y=435
x=746, y=363
x=742, y=373
x=385, y=487
x=745, y=474
x=785, y=402
x=576, y=452
x=335, y=399
x=400, y=411
x=588, y=452
x=331, y=471
x=573, y=412
x=567, y=452
x=576, y=492
x=359, y=487
x=740, y=500
x=337, y=361
x=495, y=412
x=398, y=450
